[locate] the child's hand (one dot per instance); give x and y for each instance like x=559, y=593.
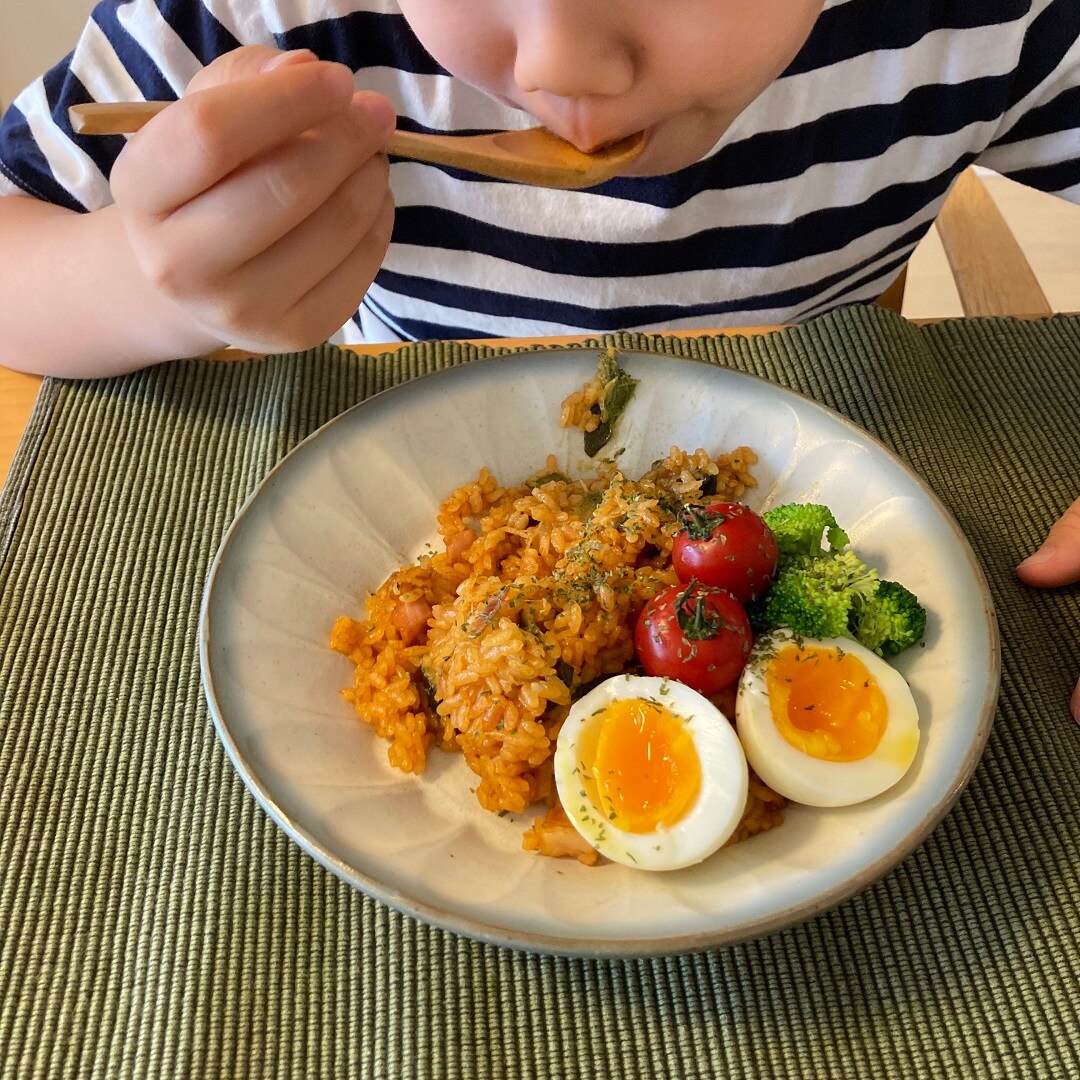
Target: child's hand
x=1057, y=562
x=260, y=202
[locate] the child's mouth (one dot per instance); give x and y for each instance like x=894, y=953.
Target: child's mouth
x=573, y=131
x=589, y=146
x=596, y=146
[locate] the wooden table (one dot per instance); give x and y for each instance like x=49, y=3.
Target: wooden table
x=17, y=394
x=18, y=391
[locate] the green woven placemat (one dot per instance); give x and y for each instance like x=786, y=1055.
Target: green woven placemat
x=154, y=922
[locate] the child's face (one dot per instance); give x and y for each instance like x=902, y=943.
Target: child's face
x=594, y=71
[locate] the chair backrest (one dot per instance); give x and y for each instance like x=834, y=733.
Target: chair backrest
x=991, y=273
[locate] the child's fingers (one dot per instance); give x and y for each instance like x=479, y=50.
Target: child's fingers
x=360, y=209
x=1057, y=562
x=208, y=135
x=339, y=294
x=285, y=300
x=269, y=197
x=245, y=63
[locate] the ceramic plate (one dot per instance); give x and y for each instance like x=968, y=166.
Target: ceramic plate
x=359, y=497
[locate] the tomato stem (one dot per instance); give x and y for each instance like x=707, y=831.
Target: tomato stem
x=699, y=522
x=698, y=623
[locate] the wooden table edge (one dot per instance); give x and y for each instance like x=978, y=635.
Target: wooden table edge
x=508, y=343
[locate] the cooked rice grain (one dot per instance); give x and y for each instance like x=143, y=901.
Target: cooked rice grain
x=478, y=647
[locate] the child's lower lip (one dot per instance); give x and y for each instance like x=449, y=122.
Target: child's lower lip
x=647, y=132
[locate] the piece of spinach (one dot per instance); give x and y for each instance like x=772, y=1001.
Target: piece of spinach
x=616, y=390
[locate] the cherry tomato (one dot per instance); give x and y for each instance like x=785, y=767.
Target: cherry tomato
x=726, y=545
x=696, y=634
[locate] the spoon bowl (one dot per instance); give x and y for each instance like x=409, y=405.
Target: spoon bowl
x=532, y=156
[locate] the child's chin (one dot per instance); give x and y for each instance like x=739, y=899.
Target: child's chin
x=672, y=148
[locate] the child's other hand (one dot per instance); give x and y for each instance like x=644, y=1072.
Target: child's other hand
x=259, y=203
x=1057, y=562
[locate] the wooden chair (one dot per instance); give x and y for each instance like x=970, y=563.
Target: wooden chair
x=991, y=273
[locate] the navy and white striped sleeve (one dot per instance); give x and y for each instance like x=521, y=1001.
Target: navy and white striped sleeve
x=1039, y=144
x=130, y=50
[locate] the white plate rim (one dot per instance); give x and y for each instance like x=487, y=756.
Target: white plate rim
x=529, y=941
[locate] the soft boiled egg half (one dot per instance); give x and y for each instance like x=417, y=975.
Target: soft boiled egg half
x=825, y=722
x=650, y=773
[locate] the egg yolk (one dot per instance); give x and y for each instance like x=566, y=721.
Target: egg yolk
x=640, y=766
x=826, y=703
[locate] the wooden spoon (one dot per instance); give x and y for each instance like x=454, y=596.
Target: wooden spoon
x=533, y=156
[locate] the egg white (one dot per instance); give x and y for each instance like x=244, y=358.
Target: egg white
x=721, y=800
x=805, y=779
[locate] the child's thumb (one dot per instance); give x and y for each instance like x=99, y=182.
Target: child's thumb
x=246, y=63
x=1057, y=562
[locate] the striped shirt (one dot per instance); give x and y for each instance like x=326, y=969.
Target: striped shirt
x=815, y=196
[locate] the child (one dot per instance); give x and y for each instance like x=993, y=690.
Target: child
x=797, y=152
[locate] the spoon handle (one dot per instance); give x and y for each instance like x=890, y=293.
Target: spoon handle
x=113, y=118
x=127, y=117
x=529, y=156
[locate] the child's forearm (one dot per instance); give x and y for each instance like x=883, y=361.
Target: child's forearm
x=76, y=303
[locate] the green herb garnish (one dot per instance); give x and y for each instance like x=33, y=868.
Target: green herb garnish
x=616, y=390
x=564, y=673
x=547, y=478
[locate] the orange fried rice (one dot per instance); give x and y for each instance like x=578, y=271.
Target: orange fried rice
x=481, y=646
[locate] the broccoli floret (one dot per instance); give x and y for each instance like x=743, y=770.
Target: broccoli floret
x=799, y=529
x=816, y=597
x=890, y=621
x=820, y=591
